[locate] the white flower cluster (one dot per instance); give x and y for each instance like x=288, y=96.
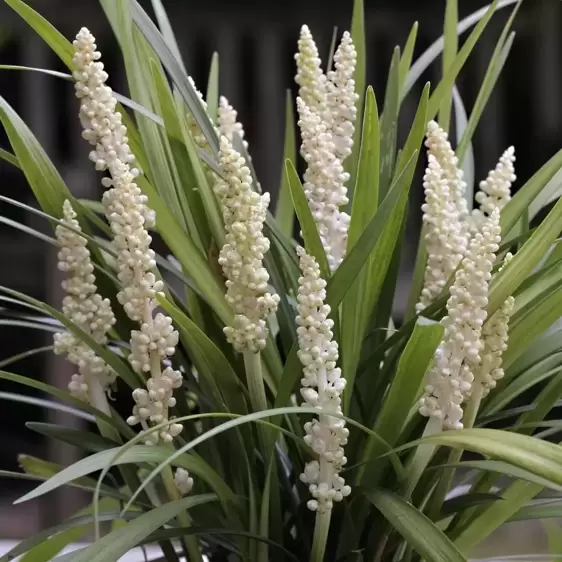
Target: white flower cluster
x=244, y=213
x=183, y=481
x=341, y=97
x=228, y=125
x=327, y=113
x=495, y=336
x=129, y=218
x=86, y=308
x=495, y=190
x=322, y=386
x=449, y=380
x=444, y=215
x=194, y=128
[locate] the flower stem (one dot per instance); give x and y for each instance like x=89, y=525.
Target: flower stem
x=256, y=388
x=444, y=485
x=193, y=546
x=321, y=529
x=423, y=455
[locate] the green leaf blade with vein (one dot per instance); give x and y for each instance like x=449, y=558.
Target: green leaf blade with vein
x=404, y=389
x=451, y=75
x=419, y=531
x=284, y=212
x=449, y=53
x=312, y=242
x=116, y=544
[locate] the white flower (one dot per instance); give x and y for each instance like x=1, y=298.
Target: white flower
x=129, y=218
x=327, y=112
x=194, y=128
x=83, y=306
x=495, y=190
x=495, y=335
x=228, y=125
x=341, y=97
x=444, y=215
x=310, y=77
x=322, y=386
x=244, y=213
x=449, y=380
x=324, y=184
x=183, y=481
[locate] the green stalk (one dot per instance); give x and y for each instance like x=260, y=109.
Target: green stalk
x=258, y=399
x=321, y=529
x=423, y=455
x=192, y=544
x=446, y=480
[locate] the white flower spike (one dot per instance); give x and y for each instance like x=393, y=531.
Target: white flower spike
x=341, y=97
x=495, y=336
x=87, y=309
x=322, y=386
x=227, y=120
x=310, y=77
x=324, y=184
x=495, y=190
x=444, y=215
x=449, y=381
x=183, y=481
x=241, y=258
x=129, y=218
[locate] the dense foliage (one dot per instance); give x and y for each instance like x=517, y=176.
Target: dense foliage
x=220, y=339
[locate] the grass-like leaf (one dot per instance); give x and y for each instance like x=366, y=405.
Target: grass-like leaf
x=419, y=531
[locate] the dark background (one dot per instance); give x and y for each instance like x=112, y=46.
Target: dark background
x=256, y=41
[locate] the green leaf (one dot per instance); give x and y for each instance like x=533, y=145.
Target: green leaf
x=60, y=45
x=44, y=179
x=404, y=389
x=461, y=122
x=194, y=264
x=407, y=55
x=212, y=97
x=526, y=259
x=358, y=36
x=116, y=363
x=419, y=531
x=497, y=62
x=379, y=237
x=91, y=442
x=505, y=469
x=312, y=242
x=541, y=509
x=389, y=124
x=166, y=30
x=212, y=365
x=134, y=455
x=520, y=385
x=433, y=51
x=366, y=193
x=284, y=213
x=528, y=193
x=178, y=76
x=449, y=53
x=116, y=544
x=539, y=457
x=9, y=157
x=65, y=397
x=451, y=75
x=40, y=540
x=274, y=413
x=514, y=498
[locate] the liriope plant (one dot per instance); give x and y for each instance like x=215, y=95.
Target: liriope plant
x=279, y=409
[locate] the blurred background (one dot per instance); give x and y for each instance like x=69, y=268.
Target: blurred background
x=255, y=41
